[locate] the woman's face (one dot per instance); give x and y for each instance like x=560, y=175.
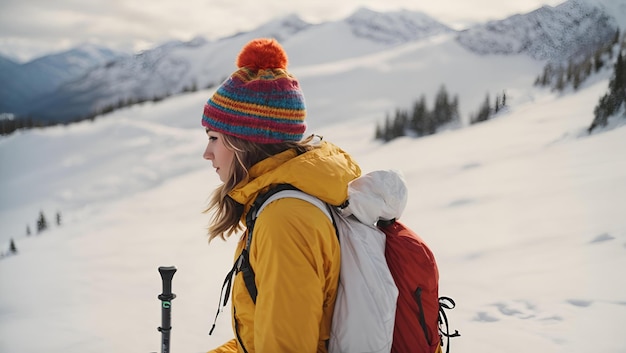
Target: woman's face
x=220, y=156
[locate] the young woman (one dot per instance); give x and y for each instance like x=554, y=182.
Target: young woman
x=255, y=125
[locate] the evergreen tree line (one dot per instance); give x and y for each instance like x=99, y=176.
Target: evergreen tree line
x=42, y=223
x=560, y=77
x=123, y=103
x=10, y=123
x=486, y=111
x=41, y=226
x=420, y=121
x=615, y=99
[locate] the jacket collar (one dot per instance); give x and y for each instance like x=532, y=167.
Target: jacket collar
x=323, y=172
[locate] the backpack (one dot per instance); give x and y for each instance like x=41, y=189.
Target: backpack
x=419, y=305
x=387, y=297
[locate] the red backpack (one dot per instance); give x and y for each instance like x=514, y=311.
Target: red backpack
x=419, y=310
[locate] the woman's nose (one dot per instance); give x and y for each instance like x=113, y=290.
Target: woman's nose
x=208, y=155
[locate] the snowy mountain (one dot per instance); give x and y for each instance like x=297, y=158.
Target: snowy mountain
x=616, y=8
x=394, y=27
x=7, y=66
x=568, y=31
x=155, y=74
x=25, y=83
x=7, y=69
x=545, y=34
x=178, y=67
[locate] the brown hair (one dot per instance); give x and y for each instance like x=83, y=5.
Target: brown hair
x=227, y=212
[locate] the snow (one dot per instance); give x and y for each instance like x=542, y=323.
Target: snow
x=524, y=212
x=367, y=87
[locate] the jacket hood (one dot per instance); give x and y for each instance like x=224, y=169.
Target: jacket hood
x=323, y=172
x=381, y=194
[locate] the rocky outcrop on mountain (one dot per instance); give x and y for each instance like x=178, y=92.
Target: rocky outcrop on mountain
x=394, y=27
x=569, y=31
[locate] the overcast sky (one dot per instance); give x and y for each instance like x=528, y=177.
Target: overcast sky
x=31, y=28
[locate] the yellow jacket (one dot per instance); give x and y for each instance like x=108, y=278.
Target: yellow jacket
x=294, y=253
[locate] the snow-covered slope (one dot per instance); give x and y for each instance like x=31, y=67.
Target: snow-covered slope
x=368, y=87
x=568, y=31
x=360, y=90
x=524, y=214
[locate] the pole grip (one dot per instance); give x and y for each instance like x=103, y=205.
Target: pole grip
x=167, y=273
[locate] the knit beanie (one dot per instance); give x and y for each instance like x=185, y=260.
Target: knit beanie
x=260, y=102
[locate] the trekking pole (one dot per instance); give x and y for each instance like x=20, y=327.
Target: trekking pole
x=167, y=273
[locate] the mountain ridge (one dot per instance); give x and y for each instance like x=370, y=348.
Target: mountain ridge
x=565, y=32
x=178, y=67
x=25, y=83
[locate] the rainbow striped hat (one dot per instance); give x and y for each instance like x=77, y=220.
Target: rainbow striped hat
x=260, y=102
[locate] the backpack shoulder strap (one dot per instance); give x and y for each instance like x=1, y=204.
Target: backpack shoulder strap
x=295, y=194
x=279, y=192
x=242, y=264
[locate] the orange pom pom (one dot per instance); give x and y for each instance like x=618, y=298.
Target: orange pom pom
x=262, y=54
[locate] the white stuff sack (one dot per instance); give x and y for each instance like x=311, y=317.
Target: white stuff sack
x=365, y=309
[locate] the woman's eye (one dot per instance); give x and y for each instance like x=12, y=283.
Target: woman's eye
x=212, y=138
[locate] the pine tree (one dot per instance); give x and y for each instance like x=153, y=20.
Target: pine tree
x=560, y=82
x=577, y=80
x=611, y=102
x=441, y=109
x=27, y=230
x=569, y=72
x=484, y=112
x=587, y=67
x=400, y=123
x=42, y=224
x=597, y=61
x=379, y=132
x=430, y=125
x=618, y=84
x=454, y=109
x=12, y=247
x=419, y=116
x=58, y=218
x=545, y=79
x=388, y=133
